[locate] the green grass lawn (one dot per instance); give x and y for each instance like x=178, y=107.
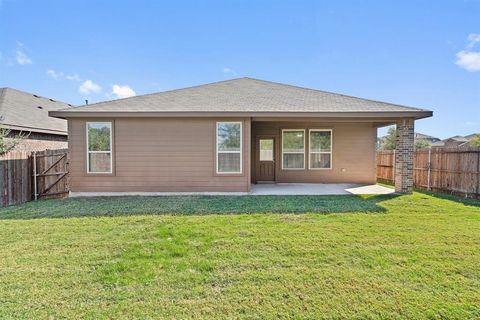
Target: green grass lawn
x=371, y=257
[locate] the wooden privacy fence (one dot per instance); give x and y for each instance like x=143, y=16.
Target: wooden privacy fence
x=25, y=176
x=455, y=170
x=15, y=178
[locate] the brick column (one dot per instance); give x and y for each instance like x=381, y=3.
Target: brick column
x=404, y=156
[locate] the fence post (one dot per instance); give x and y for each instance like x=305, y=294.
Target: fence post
x=394, y=160
x=429, y=167
x=478, y=172
x=35, y=175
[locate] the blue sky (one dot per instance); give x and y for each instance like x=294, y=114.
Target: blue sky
x=417, y=53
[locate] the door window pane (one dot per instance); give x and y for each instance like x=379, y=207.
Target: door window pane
x=266, y=149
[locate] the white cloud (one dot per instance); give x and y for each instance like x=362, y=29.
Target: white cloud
x=88, y=87
x=17, y=56
x=57, y=75
x=473, y=38
x=230, y=71
x=54, y=74
x=22, y=58
x=73, y=77
x=469, y=60
x=122, y=91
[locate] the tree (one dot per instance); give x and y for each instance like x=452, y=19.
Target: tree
x=99, y=138
x=475, y=141
x=229, y=137
x=421, y=143
x=8, y=141
x=389, y=142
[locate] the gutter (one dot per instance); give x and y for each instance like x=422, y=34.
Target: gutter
x=200, y=114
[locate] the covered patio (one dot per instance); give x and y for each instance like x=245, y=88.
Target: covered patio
x=323, y=155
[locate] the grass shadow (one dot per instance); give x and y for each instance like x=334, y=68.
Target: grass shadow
x=467, y=201
x=192, y=205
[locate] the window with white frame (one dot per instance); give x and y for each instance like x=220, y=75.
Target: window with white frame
x=99, y=147
x=293, y=149
x=320, y=147
x=229, y=147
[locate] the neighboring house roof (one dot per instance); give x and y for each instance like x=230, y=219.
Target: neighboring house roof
x=471, y=136
x=28, y=112
x=455, y=141
x=438, y=144
x=457, y=138
x=418, y=135
x=245, y=97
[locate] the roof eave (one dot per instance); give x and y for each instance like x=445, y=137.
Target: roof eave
x=31, y=129
x=179, y=114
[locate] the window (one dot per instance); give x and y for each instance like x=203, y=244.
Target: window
x=266, y=149
x=320, y=145
x=99, y=147
x=229, y=147
x=293, y=149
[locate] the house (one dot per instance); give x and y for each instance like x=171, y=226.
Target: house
x=426, y=137
x=26, y=113
x=417, y=136
x=226, y=135
x=455, y=141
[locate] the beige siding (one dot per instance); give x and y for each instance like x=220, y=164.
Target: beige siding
x=158, y=155
x=353, y=150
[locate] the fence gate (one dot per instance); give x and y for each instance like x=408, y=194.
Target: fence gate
x=50, y=173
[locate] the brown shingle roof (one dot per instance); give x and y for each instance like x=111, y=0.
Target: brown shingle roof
x=244, y=95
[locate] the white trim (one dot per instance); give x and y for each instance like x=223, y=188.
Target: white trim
x=110, y=123
x=217, y=151
x=283, y=152
x=320, y=152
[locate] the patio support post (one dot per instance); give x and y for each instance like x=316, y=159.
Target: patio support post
x=404, y=156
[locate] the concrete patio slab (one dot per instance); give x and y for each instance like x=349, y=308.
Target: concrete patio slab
x=285, y=189
x=153, y=194
x=318, y=189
